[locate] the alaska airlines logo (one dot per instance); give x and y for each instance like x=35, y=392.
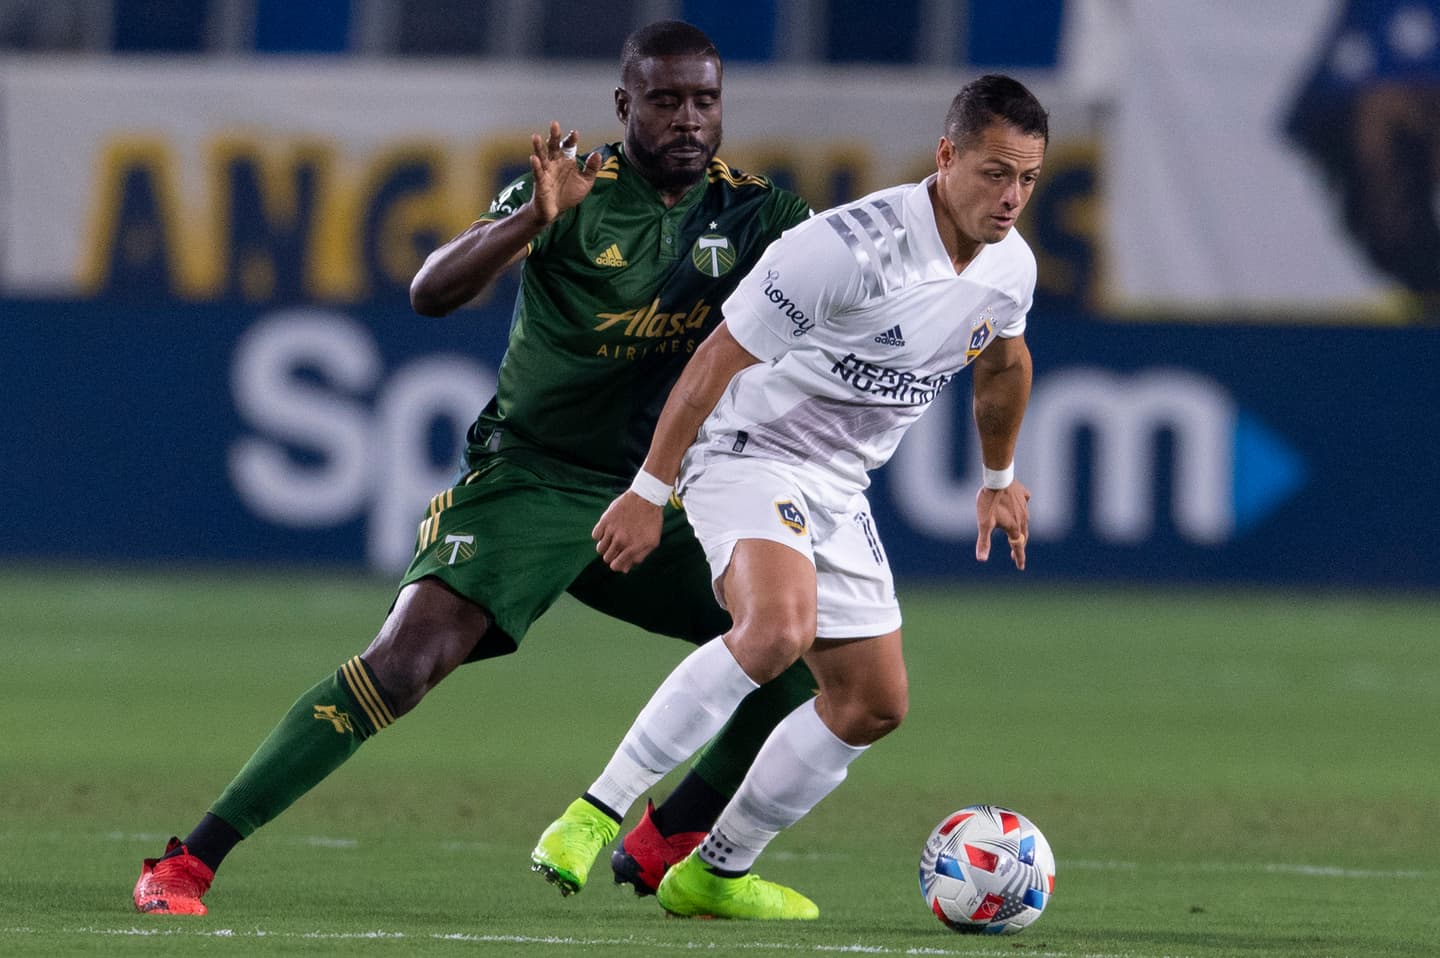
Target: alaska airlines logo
x=650, y=323
x=907, y=389
x=802, y=324
x=790, y=516
x=713, y=254
x=339, y=720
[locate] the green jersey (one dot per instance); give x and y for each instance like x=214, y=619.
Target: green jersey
x=614, y=297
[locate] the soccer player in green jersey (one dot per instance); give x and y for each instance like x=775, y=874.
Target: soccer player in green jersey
x=627, y=255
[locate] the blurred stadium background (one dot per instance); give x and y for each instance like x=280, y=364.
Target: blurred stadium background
x=210, y=212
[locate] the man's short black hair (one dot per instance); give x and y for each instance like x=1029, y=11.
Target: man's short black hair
x=993, y=97
x=664, y=38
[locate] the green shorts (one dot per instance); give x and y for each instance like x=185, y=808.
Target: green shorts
x=515, y=533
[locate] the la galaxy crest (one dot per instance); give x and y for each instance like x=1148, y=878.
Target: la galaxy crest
x=980, y=331
x=790, y=516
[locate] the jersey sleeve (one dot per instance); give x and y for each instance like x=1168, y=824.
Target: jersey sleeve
x=790, y=210
x=1015, y=324
x=803, y=280
x=510, y=199
x=1025, y=298
x=515, y=195
x=1018, y=282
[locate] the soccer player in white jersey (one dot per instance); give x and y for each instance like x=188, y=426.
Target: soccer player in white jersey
x=836, y=342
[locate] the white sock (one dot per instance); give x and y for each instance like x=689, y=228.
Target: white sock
x=688, y=708
x=800, y=763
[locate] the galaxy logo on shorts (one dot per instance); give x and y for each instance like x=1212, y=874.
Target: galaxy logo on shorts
x=791, y=516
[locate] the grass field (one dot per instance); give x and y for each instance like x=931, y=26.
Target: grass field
x=1219, y=773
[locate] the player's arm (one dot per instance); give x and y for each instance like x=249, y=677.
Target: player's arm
x=630, y=528
x=460, y=270
x=1002, y=376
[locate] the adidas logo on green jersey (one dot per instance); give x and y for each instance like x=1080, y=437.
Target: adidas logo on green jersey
x=611, y=257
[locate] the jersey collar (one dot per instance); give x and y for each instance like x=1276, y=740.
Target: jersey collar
x=638, y=184
x=920, y=220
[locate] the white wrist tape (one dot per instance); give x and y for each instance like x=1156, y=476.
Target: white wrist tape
x=999, y=478
x=652, y=490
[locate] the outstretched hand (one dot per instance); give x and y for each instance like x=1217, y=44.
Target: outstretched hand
x=628, y=531
x=1009, y=509
x=559, y=183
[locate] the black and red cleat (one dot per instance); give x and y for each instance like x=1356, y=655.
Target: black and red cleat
x=645, y=855
x=174, y=885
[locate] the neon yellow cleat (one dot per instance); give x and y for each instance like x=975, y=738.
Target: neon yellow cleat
x=571, y=844
x=691, y=890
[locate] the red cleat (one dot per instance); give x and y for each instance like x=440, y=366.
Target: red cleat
x=645, y=855
x=174, y=885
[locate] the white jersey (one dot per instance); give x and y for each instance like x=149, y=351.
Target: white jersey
x=859, y=319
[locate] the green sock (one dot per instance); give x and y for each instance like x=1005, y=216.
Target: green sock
x=323, y=728
x=727, y=758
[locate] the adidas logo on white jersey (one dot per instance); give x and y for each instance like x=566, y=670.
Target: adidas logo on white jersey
x=891, y=337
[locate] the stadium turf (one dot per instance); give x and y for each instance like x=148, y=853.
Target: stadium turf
x=1219, y=773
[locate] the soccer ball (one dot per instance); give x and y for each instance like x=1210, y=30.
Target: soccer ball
x=987, y=870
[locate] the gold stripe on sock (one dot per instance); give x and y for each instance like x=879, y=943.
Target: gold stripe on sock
x=347, y=673
x=366, y=686
x=364, y=691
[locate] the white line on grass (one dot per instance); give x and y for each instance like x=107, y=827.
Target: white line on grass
x=1330, y=871
x=629, y=942
x=1274, y=868
x=145, y=837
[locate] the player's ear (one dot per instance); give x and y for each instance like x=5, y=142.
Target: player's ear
x=622, y=105
x=944, y=152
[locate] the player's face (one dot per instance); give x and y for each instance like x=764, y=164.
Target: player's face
x=671, y=110
x=982, y=186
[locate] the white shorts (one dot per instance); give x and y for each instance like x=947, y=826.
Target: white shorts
x=743, y=498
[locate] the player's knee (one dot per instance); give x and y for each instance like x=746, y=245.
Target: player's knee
x=865, y=720
x=887, y=719
x=765, y=646
x=879, y=718
x=404, y=676
x=428, y=635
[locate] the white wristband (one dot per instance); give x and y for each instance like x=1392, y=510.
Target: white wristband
x=652, y=490
x=999, y=478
